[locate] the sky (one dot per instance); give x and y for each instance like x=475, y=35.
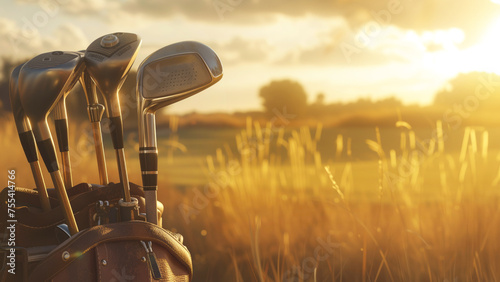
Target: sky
x=344, y=49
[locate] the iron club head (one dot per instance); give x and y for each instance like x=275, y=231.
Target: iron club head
x=171, y=74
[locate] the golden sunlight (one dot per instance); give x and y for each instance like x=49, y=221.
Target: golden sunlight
x=484, y=56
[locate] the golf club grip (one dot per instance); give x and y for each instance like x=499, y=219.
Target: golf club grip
x=48, y=153
x=62, y=134
x=116, y=130
x=29, y=147
x=148, y=157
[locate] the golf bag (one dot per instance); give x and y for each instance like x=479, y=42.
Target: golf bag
x=35, y=227
x=104, y=250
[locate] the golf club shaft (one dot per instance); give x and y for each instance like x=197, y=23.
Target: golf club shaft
x=122, y=170
x=151, y=206
x=48, y=153
x=36, y=170
x=61, y=125
x=95, y=112
x=65, y=204
x=148, y=157
x=100, y=155
x=66, y=168
x=28, y=143
x=116, y=130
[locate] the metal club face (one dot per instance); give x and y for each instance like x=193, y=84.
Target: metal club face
x=176, y=71
x=43, y=81
x=171, y=74
x=109, y=59
x=22, y=122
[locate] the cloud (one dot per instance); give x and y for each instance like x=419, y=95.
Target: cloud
x=26, y=41
x=417, y=15
x=372, y=45
x=411, y=14
x=239, y=50
x=75, y=7
x=471, y=16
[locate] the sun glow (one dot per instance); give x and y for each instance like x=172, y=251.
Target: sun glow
x=485, y=55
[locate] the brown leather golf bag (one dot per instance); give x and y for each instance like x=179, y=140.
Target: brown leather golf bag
x=104, y=249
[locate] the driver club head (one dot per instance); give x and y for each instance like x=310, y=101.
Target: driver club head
x=109, y=59
x=42, y=83
x=170, y=74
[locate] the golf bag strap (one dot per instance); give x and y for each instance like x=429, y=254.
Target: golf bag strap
x=86, y=240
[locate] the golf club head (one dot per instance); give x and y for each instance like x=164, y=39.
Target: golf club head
x=22, y=122
x=42, y=83
x=169, y=75
x=109, y=59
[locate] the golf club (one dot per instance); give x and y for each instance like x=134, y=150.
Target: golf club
x=169, y=75
x=42, y=82
x=61, y=124
x=95, y=112
x=27, y=139
x=109, y=59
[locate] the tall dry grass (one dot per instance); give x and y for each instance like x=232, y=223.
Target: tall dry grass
x=276, y=211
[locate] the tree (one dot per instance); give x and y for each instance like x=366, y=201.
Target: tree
x=318, y=108
x=284, y=95
x=320, y=99
x=475, y=90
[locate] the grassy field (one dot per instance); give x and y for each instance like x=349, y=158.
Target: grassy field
x=267, y=203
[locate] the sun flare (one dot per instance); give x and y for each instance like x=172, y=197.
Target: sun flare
x=485, y=56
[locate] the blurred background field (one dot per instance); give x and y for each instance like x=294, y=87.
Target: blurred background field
x=285, y=203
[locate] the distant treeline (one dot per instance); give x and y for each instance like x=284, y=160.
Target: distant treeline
x=469, y=98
